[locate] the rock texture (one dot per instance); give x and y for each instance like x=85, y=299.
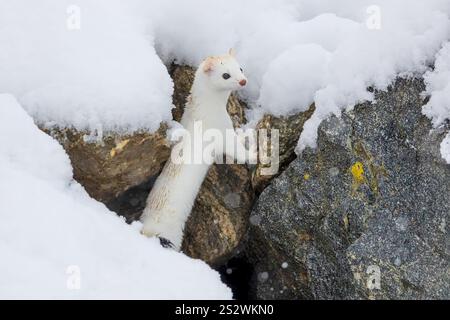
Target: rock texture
x=109, y=166
x=365, y=215
x=289, y=129
x=219, y=219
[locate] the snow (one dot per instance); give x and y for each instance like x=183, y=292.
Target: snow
x=103, y=76
x=108, y=75
x=295, y=53
x=281, y=93
x=445, y=148
x=403, y=46
x=438, y=87
x=57, y=242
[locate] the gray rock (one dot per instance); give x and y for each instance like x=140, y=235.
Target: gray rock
x=364, y=216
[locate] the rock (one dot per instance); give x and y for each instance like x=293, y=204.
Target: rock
x=111, y=165
x=289, y=128
x=183, y=77
x=219, y=219
x=365, y=215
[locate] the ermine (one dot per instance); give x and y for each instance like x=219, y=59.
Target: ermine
x=172, y=197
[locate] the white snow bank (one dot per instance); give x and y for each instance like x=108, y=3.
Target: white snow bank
x=280, y=92
x=51, y=232
x=404, y=45
x=298, y=52
x=294, y=52
x=445, y=148
x=438, y=87
x=103, y=76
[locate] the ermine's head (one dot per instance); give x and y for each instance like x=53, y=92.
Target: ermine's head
x=223, y=72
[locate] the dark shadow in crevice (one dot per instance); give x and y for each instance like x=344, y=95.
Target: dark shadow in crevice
x=236, y=274
x=131, y=203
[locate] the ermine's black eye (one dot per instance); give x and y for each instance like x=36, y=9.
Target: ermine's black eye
x=226, y=76
x=242, y=70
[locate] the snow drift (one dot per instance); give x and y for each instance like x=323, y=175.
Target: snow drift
x=106, y=75
x=58, y=243
x=99, y=74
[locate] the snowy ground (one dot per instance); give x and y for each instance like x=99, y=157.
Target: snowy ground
x=57, y=242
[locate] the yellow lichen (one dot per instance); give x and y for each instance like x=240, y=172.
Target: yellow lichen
x=357, y=171
x=373, y=171
x=306, y=176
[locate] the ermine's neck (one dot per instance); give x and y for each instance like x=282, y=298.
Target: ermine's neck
x=204, y=96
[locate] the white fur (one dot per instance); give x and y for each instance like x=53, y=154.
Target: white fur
x=172, y=197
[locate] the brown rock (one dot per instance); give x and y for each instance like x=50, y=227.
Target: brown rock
x=116, y=163
x=183, y=77
x=219, y=219
x=290, y=129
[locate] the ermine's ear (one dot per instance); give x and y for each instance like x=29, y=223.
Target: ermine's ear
x=232, y=52
x=208, y=65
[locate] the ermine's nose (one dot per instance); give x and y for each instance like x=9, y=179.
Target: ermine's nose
x=243, y=82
